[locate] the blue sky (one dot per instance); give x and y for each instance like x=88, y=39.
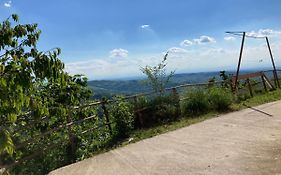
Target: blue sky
x=114, y=38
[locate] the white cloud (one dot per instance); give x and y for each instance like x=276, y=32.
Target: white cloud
x=204, y=40
x=177, y=50
x=119, y=53
x=185, y=43
x=145, y=26
x=201, y=40
x=264, y=32
x=216, y=51
x=180, y=59
x=267, y=31
x=229, y=38
x=106, y=68
x=8, y=4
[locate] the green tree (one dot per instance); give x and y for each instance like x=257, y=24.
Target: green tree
x=157, y=77
x=22, y=68
x=60, y=100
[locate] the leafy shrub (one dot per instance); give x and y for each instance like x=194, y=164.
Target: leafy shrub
x=164, y=108
x=156, y=110
x=196, y=103
x=219, y=98
x=122, y=115
x=242, y=97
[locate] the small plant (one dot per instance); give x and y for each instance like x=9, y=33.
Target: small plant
x=196, y=103
x=220, y=99
x=227, y=81
x=157, y=78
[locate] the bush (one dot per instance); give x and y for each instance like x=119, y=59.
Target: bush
x=122, y=115
x=164, y=108
x=196, y=103
x=156, y=110
x=220, y=99
x=242, y=97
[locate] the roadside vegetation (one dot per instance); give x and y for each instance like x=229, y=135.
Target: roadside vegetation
x=50, y=113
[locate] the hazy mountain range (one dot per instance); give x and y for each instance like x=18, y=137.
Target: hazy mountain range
x=129, y=87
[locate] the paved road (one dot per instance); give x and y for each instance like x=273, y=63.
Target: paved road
x=245, y=142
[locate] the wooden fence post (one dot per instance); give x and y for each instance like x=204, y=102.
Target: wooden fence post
x=263, y=82
x=250, y=87
x=106, y=114
x=177, y=101
x=71, y=146
x=267, y=81
x=137, y=112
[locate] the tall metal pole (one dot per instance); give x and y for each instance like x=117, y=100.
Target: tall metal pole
x=239, y=62
x=273, y=64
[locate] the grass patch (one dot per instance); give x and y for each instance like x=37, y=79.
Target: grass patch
x=258, y=100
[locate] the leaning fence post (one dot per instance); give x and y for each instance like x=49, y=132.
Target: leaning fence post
x=250, y=87
x=263, y=82
x=106, y=114
x=177, y=101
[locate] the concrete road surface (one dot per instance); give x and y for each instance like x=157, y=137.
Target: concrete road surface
x=244, y=142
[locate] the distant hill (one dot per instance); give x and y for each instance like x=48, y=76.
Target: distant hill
x=128, y=87
x=109, y=88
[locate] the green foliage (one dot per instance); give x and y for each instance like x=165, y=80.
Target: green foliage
x=220, y=99
x=123, y=118
x=201, y=101
x=36, y=95
x=59, y=99
x=156, y=110
x=157, y=77
x=196, y=102
x=242, y=97
x=164, y=108
x=6, y=142
x=74, y=92
x=21, y=67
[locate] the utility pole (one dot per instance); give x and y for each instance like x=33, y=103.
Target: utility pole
x=239, y=62
x=273, y=64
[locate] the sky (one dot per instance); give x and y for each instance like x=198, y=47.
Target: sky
x=106, y=39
